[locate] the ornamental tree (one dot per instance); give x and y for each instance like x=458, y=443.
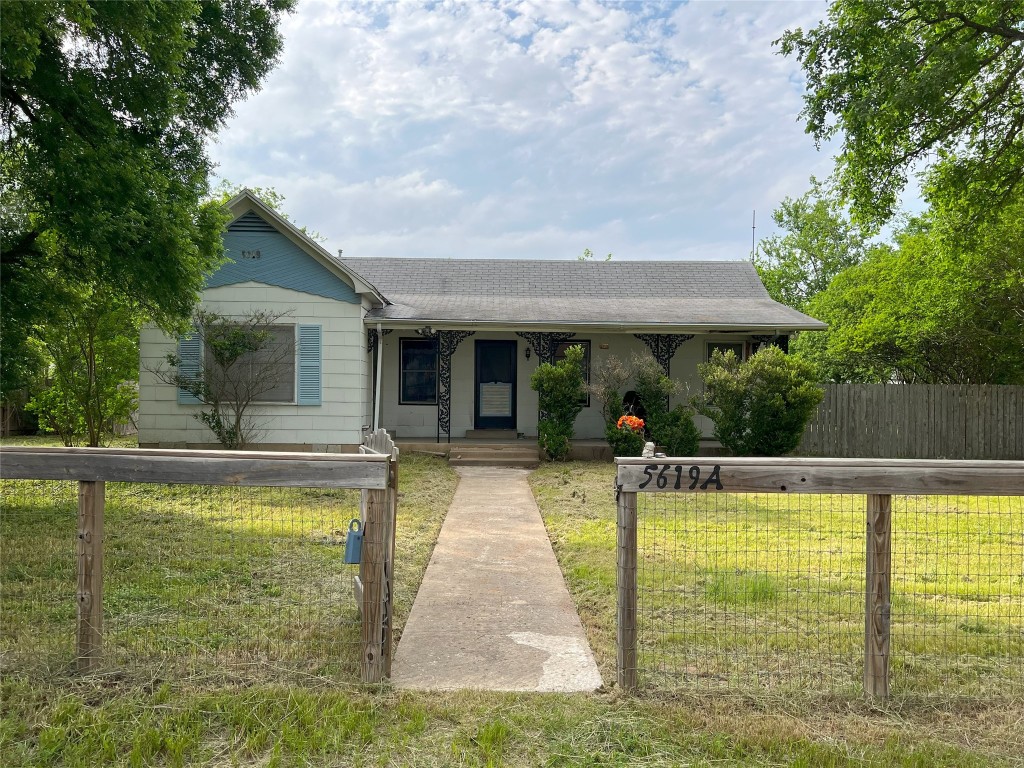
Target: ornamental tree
x=90, y=344
x=242, y=361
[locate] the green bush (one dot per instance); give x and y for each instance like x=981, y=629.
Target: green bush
x=624, y=442
x=561, y=390
x=653, y=387
x=554, y=438
x=761, y=407
x=675, y=431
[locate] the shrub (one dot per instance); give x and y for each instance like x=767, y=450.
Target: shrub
x=560, y=389
x=554, y=438
x=626, y=436
x=607, y=384
x=761, y=407
x=653, y=387
x=675, y=431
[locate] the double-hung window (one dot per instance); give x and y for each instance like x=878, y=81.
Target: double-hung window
x=418, y=384
x=284, y=367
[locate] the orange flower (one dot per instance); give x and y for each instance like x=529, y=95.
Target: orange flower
x=630, y=422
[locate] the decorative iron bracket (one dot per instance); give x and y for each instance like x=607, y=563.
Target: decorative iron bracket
x=544, y=344
x=372, y=339
x=447, y=343
x=663, y=346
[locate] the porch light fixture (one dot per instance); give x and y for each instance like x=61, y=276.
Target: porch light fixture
x=527, y=351
x=426, y=331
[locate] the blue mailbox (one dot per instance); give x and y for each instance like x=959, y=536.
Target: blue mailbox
x=354, y=543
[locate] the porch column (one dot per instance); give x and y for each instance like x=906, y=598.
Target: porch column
x=447, y=343
x=663, y=346
x=374, y=337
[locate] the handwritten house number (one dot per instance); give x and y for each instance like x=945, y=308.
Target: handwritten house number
x=669, y=473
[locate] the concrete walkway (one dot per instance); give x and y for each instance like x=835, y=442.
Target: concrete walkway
x=493, y=612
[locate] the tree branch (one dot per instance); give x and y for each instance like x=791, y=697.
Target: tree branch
x=1008, y=33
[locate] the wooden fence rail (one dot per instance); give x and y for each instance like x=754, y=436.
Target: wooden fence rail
x=918, y=421
x=877, y=479
x=372, y=470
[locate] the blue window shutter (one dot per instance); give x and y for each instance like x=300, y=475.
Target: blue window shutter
x=308, y=392
x=190, y=350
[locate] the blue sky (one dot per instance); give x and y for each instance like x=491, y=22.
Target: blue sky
x=530, y=129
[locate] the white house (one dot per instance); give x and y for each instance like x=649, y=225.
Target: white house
x=442, y=349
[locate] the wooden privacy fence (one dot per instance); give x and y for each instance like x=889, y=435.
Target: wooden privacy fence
x=373, y=471
x=694, y=480
x=918, y=421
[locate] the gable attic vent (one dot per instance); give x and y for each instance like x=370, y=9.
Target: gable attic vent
x=250, y=222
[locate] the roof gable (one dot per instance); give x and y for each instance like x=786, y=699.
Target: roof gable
x=251, y=216
x=257, y=252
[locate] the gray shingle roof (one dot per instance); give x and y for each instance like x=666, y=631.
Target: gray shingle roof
x=524, y=291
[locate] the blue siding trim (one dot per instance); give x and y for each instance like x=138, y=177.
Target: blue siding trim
x=279, y=262
x=309, y=384
x=190, y=350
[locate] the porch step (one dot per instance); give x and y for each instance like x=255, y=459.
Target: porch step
x=493, y=456
x=494, y=461
x=490, y=434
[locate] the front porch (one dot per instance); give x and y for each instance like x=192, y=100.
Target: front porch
x=472, y=387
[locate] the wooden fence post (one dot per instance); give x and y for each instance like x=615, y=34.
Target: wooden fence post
x=389, y=573
x=626, y=587
x=877, y=608
x=89, y=635
x=374, y=585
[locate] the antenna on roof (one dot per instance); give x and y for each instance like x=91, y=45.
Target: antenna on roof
x=753, y=234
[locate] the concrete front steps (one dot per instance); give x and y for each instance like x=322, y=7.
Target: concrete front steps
x=496, y=455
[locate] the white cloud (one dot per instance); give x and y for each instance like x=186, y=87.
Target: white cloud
x=480, y=128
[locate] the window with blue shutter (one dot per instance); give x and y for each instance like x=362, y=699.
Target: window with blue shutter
x=190, y=356
x=309, y=365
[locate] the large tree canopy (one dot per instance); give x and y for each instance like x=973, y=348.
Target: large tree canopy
x=931, y=310
x=819, y=243
x=918, y=84
x=106, y=110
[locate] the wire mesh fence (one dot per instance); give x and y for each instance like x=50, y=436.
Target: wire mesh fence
x=750, y=591
x=198, y=580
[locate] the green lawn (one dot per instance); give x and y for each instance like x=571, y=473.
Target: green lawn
x=204, y=580
x=750, y=592
x=297, y=708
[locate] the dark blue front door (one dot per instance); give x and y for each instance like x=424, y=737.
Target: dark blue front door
x=496, y=384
